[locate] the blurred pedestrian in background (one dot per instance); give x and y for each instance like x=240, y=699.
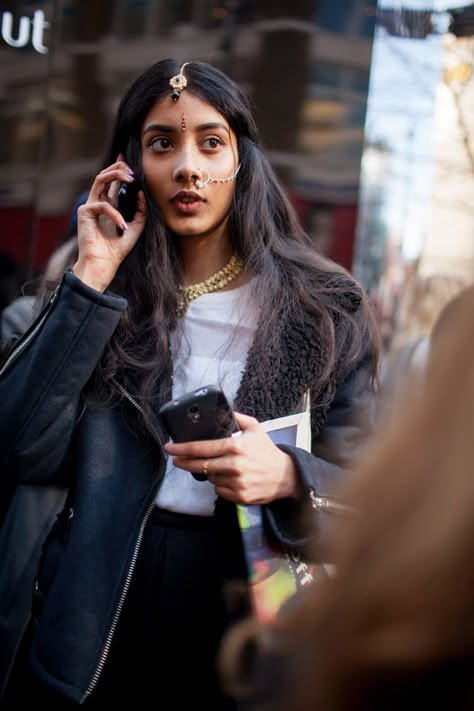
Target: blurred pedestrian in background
x=18, y=315
x=27, y=511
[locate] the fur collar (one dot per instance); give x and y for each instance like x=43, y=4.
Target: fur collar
x=297, y=363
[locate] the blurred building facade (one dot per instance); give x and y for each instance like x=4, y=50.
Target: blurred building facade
x=449, y=244
x=64, y=65
x=416, y=199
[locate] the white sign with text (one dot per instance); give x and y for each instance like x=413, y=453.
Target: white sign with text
x=18, y=33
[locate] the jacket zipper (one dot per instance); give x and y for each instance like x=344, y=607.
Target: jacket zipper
x=24, y=342
x=329, y=504
x=105, y=651
x=17, y=350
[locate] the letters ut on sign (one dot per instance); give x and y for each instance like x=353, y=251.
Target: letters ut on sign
x=20, y=36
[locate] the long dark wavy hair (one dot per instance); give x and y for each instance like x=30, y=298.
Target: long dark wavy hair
x=292, y=279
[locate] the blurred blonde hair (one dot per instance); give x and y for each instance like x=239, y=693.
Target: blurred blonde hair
x=400, y=609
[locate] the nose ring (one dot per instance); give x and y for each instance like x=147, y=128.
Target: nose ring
x=200, y=184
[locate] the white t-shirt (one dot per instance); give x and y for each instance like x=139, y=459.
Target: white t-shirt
x=209, y=347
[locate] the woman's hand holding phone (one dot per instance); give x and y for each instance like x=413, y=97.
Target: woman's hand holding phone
x=247, y=469
x=101, y=250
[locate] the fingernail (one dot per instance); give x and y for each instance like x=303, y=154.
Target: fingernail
x=119, y=230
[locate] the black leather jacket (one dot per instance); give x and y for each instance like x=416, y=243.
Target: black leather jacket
x=48, y=436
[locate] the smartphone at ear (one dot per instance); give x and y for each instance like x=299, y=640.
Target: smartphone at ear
x=127, y=201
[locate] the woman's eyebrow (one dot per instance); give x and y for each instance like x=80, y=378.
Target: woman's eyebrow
x=213, y=124
x=163, y=128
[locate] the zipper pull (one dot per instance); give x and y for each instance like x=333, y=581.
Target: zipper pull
x=331, y=505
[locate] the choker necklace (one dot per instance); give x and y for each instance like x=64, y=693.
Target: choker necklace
x=216, y=281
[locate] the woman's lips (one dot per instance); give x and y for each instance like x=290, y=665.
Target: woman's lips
x=187, y=207
x=187, y=202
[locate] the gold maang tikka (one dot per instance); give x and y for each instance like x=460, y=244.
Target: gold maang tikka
x=178, y=83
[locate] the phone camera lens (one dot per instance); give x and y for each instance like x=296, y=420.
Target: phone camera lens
x=194, y=413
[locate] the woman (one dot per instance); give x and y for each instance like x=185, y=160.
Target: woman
x=212, y=281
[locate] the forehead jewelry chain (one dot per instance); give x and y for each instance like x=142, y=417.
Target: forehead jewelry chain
x=178, y=83
x=183, y=123
x=216, y=281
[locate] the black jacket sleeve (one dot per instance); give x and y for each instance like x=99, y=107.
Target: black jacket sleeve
x=42, y=378
x=346, y=434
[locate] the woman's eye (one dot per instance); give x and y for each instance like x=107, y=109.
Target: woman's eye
x=213, y=142
x=160, y=144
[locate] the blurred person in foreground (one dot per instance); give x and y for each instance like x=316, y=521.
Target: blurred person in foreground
x=394, y=629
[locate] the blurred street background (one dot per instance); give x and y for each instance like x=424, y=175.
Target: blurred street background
x=365, y=110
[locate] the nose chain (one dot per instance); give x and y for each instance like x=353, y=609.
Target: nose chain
x=202, y=183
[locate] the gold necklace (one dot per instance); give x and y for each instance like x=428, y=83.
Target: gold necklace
x=216, y=281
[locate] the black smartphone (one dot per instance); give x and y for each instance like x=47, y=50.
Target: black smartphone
x=127, y=201
x=201, y=414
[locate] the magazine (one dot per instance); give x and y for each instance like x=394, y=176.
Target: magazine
x=275, y=573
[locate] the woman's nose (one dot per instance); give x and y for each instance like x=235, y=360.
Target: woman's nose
x=186, y=169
